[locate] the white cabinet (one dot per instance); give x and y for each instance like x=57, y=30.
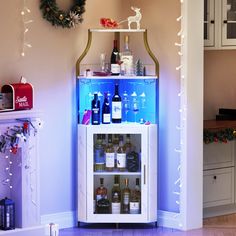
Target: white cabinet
x=220, y=24
x=218, y=174
x=144, y=138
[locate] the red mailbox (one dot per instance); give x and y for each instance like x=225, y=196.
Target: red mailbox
x=17, y=96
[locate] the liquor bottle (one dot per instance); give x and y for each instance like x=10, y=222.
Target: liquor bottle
x=104, y=143
x=127, y=59
x=95, y=110
x=110, y=155
x=102, y=203
x=135, y=200
x=116, y=196
x=106, y=113
x=99, y=159
x=115, y=142
x=101, y=191
x=121, y=156
x=126, y=197
x=116, y=106
x=115, y=66
x=128, y=145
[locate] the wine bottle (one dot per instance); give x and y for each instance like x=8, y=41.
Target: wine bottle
x=135, y=200
x=106, y=113
x=121, y=156
x=99, y=157
x=126, y=197
x=116, y=196
x=116, y=106
x=115, y=66
x=127, y=59
x=110, y=154
x=95, y=110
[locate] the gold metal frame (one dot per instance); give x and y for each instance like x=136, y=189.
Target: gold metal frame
x=116, y=35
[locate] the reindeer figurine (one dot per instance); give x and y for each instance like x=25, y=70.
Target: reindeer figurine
x=136, y=19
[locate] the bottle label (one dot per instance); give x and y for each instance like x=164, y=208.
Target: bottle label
x=134, y=207
x=121, y=160
x=116, y=110
x=99, y=156
x=95, y=115
x=115, y=207
x=126, y=199
x=115, y=68
x=127, y=64
x=106, y=118
x=110, y=160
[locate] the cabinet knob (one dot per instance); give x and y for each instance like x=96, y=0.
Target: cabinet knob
x=215, y=177
x=212, y=22
x=225, y=21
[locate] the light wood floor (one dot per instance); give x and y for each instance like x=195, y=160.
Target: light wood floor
x=226, y=221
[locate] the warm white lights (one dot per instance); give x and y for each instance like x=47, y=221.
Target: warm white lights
x=25, y=21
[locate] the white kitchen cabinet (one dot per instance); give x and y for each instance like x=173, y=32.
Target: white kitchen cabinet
x=220, y=24
x=219, y=174
x=144, y=137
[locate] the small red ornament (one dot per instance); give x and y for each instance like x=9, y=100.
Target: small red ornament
x=215, y=139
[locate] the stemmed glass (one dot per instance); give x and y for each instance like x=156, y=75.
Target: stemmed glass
x=135, y=105
x=102, y=61
x=126, y=105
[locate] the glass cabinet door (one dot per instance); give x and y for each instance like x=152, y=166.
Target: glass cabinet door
x=117, y=184
x=209, y=22
x=229, y=22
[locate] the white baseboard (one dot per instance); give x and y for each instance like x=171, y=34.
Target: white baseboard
x=168, y=219
x=63, y=219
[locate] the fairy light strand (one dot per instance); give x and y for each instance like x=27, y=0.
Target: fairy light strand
x=24, y=12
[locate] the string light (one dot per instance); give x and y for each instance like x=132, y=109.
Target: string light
x=25, y=21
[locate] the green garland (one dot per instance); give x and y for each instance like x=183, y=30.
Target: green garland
x=57, y=17
x=222, y=136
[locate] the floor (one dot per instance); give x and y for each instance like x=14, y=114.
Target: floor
x=141, y=230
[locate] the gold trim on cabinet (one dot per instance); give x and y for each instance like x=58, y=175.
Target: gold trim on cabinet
x=84, y=53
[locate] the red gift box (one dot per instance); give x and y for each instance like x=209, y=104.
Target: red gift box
x=18, y=96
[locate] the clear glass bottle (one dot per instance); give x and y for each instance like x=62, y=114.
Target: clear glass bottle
x=121, y=156
x=116, y=196
x=110, y=155
x=135, y=200
x=126, y=197
x=126, y=58
x=128, y=145
x=99, y=158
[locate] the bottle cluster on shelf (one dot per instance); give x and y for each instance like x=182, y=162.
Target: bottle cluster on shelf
x=114, y=155
x=122, y=200
x=117, y=110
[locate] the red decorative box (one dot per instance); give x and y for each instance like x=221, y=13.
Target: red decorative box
x=18, y=96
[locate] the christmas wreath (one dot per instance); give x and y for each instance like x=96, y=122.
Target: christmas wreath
x=57, y=17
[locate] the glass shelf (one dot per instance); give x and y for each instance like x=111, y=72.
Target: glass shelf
x=117, y=173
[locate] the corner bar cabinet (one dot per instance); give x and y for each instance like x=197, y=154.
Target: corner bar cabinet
x=143, y=136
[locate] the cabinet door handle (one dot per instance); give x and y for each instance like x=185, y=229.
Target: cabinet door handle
x=212, y=22
x=225, y=21
x=144, y=172
x=215, y=177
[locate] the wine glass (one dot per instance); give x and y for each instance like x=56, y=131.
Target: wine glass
x=126, y=105
x=135, y=105
x=102, y=61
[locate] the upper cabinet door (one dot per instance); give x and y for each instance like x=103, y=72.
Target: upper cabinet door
x=228, y=22
x=209, y=23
